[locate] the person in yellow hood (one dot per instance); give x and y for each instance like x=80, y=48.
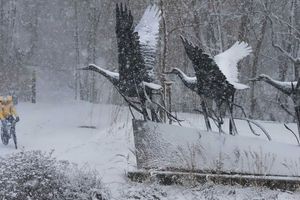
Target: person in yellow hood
x=8, y=110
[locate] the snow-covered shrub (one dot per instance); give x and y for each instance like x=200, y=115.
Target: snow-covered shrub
x=84, y=179
x=37, y=175
x=152, y=191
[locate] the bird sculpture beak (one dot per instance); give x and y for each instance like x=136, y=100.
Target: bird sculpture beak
x=254, y=79
x=83, y=68
x=167, y=73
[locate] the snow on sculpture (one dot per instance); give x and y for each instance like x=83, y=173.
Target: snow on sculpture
x=191, y=83
x=291, y=89
x=217, y=78
x=227, y=62
x=137, y=48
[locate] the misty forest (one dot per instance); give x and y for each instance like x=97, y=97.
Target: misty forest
x=150, y=99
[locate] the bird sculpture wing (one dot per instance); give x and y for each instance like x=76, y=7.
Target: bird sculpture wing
x=148, y=32
x=228, y=60
x=132, y=67
x=210, y=80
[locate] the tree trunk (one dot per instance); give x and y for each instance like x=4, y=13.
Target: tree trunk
x=33, y=87
x=217, y=12
x=77, y=50
x=297, y=69
x=297, y=112
x=2, y=32
x=163, y=56
x=243, y=30
x=257, y=51
x=94, y=16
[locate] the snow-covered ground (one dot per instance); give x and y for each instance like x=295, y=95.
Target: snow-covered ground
x=108, y=148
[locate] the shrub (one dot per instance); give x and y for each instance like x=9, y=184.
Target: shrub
x=37, y=175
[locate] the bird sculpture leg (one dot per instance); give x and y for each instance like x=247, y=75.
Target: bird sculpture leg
x=131, y=112
x=221, y=122
x=154, y=115
x=205, y=113
x=219, y=118
x=232, y=126
x=144, y=109
x=145, y=114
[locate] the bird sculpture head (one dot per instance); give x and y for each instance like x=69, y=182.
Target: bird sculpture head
x=90, y=67
x=174, y=71
x=261, y=77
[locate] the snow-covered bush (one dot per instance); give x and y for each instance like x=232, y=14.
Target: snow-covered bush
x=37, y=175
x=84, y=179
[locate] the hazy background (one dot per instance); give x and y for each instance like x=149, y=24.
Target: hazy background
x=44, y=41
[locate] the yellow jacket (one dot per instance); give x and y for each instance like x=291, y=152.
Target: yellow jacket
x=7, y=110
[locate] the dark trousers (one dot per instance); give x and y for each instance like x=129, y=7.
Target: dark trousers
x=12, y=121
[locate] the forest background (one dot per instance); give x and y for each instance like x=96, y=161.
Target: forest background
x=42, y=43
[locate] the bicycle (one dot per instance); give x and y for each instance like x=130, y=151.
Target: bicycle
x=9, y=131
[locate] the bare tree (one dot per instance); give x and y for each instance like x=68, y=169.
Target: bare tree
x=77, y=51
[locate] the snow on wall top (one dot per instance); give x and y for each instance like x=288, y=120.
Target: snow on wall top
x=166, y=147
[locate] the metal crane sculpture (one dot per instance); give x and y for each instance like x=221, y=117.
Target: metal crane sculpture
x=137, y=48
x=291, y=89
x=217, y=78
x=283, y=86
x=191, y=83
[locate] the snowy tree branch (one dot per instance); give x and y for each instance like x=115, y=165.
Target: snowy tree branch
x=278, y=47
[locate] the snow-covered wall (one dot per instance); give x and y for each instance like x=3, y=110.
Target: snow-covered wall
x=164, y=147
